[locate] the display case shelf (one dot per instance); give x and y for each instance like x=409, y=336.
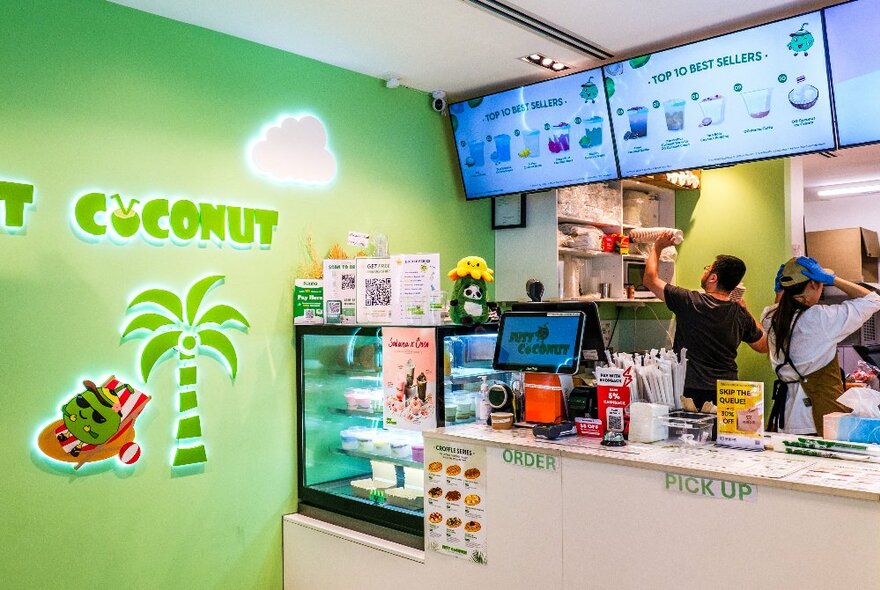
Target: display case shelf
x=385, y=458
x=362, y=413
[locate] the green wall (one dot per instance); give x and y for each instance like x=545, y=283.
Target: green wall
x=740, y=211
x=97, y=96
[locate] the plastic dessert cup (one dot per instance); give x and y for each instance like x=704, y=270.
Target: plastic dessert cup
x=501, y=420
x=674, y=110
x=758, y=102
x=418, y=453
x=713, y=110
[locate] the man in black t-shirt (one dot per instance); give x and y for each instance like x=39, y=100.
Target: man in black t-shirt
x=708, y=324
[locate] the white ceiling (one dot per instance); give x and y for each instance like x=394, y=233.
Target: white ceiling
x=456, y=46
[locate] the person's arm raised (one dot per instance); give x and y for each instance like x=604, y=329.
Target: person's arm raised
x=651, y=278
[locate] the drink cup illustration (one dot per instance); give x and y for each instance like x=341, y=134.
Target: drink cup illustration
x=559, y=139
x=674, y=110
x=532, y=144
x=758, y=102
x=713, y=110
x=475, y=146
x=592, y=133
x=638, y=122
x=502, y=149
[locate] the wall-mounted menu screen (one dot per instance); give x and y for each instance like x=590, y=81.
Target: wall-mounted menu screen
x=855, y=69
x=754, y=94
x=533, y=138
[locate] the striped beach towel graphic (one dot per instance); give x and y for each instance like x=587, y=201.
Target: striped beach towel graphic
x=131, y=404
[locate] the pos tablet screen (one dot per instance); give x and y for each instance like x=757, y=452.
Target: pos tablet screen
x=539, y=342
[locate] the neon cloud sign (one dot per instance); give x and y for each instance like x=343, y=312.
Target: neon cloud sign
x=96, y=215
x=14, y=198
x=293, y=150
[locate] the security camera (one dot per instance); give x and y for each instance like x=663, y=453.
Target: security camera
x=439, y=101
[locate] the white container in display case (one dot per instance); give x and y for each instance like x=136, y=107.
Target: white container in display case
x=350, y=460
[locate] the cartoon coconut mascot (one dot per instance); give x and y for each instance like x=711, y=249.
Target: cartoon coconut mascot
x=468, y=305
x=801, y=40
x=96, y=424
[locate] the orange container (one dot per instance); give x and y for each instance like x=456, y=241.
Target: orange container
x=543, y=398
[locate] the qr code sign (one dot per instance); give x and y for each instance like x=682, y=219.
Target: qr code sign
x=615, y=419
x=347, y=281
x=378, y=292
x=334, y=307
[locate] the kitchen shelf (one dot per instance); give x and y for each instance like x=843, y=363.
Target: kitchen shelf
x=603, y=225
x=583, y=253
x=385, y=458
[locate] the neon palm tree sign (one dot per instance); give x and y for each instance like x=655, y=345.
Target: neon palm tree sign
x=159, y=316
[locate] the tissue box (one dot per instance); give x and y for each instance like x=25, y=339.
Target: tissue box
x=843, y=426
x=643, y=424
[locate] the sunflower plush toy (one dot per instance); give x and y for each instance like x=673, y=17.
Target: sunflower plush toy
x=468, y=305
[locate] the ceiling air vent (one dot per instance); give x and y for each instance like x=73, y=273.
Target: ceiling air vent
x=545, y=29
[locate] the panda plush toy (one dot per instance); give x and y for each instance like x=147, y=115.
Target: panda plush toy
x=468, y=305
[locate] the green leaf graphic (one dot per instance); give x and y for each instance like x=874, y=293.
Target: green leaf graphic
x=147, y=321
x=220, y=343
x=163, y=298
x=155, y=349
x=197, y=292
x=222, y=315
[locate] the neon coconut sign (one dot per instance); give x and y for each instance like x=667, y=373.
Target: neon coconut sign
x=156, y=220
x=15, y=198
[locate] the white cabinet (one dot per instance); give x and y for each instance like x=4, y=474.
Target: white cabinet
x=534, y=251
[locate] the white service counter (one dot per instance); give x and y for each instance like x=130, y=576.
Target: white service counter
x=641, y=516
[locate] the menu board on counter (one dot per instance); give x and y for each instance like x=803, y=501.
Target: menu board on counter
x=414, y=279
x=409, y=378
x=855, y=69
x=455, y=500
x=754, y=94
x=532, y=138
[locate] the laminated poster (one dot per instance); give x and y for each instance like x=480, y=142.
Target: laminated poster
x=455, y=500
x=741, y=414
x=308, y=301
x=373, y=280
x=340, y=292
x=409, y=378
x=414, y=278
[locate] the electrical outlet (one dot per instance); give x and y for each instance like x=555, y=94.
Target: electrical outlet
x=606, y=330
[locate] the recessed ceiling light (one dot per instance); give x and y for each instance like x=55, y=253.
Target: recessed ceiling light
x=544, y=61
x=849, y=191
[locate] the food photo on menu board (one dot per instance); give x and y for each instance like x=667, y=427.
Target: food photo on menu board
x=855, y=69
x=754, y=94
x=532, y=138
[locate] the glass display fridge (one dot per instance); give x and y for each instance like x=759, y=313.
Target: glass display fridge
x=364, y=396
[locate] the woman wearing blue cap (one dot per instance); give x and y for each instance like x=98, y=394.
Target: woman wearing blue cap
x=803, y=338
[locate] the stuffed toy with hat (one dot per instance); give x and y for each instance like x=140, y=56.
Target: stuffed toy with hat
x=468, y=305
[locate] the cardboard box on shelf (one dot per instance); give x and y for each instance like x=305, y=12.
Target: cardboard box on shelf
x=851, y=252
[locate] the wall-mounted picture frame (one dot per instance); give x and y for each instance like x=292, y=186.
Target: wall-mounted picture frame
x=509, y=211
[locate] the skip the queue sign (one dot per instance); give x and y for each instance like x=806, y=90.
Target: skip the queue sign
x=715, y=489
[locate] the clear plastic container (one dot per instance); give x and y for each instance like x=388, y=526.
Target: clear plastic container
x=688, y=428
